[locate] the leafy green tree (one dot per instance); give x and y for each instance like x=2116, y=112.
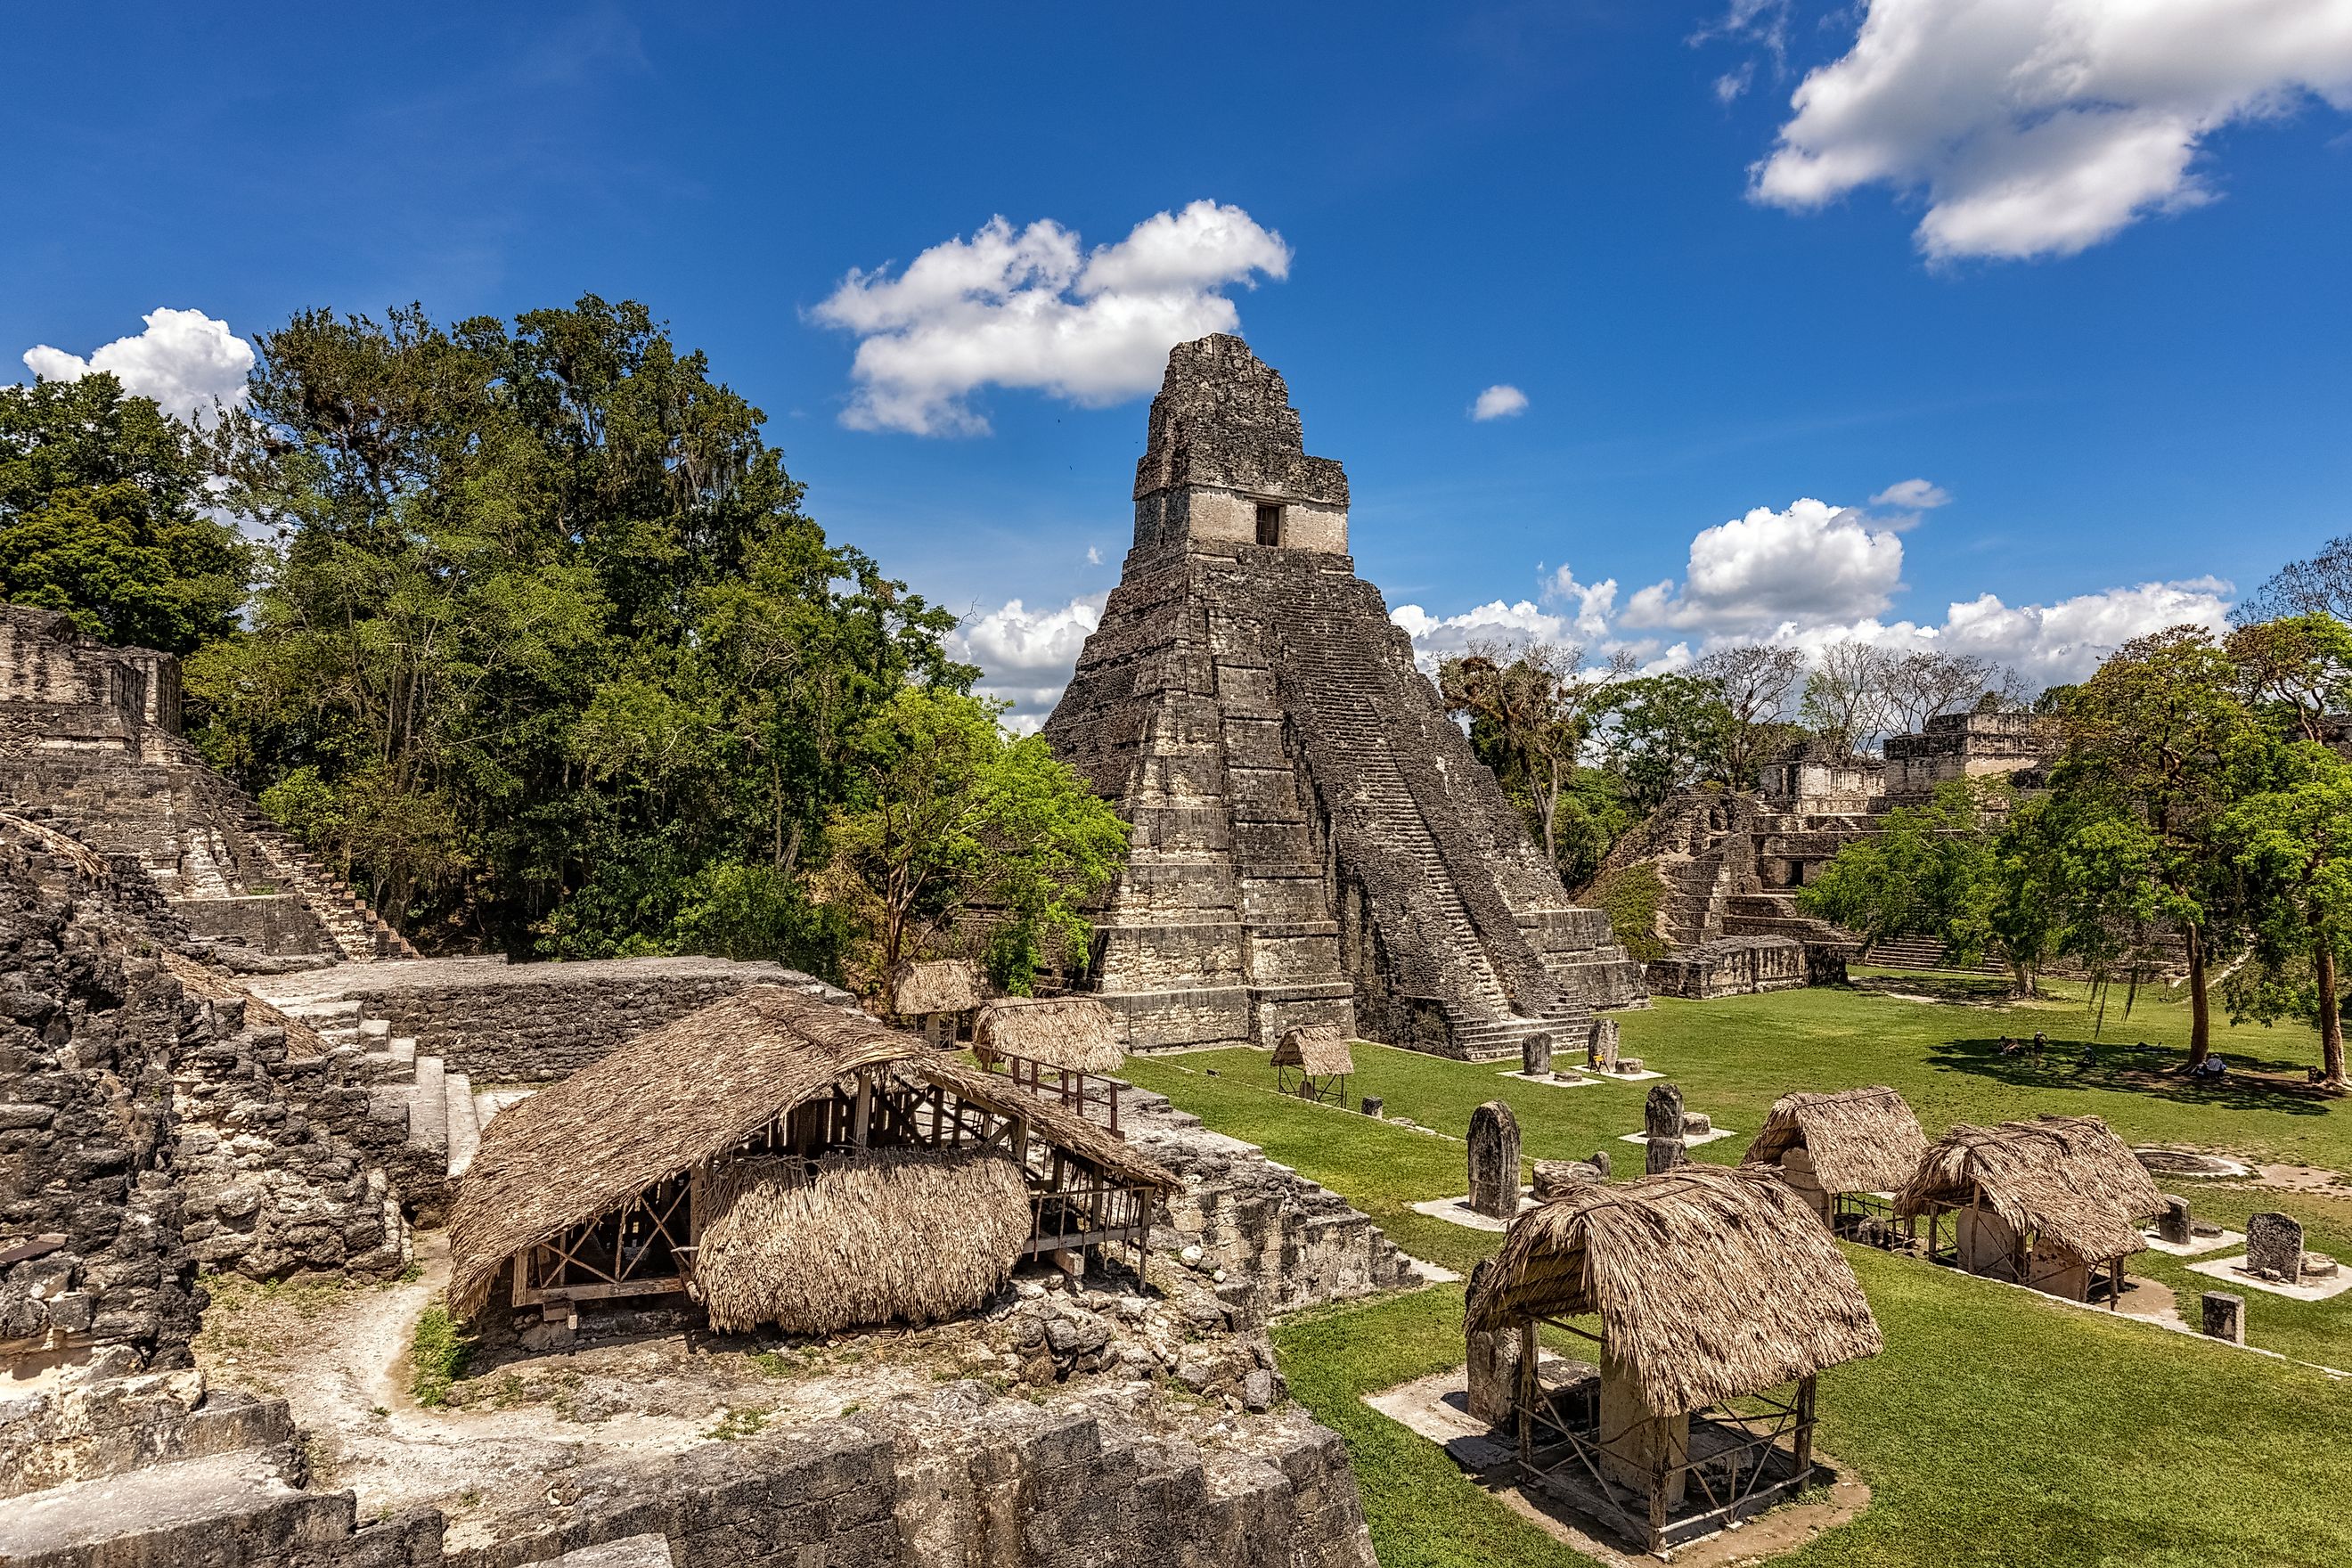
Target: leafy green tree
x=2294, y=845
x=1667, y=732
x=101, y=516
x=2160, y=746
x=551, y=659
x=952, y=821
x=1971, y=868
x=2297, y=670
x=1530, y=715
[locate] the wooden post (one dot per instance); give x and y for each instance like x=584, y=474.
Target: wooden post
x=1527, y=1392
x=862, y=1118
x=1658, y=1510
x=1804, y=1429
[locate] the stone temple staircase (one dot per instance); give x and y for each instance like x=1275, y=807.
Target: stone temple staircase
x=440, y=1108
x=1325, y=644
x=359, y=934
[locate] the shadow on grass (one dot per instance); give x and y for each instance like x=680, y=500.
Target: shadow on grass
x=2251, y=1084
x=1981, y=989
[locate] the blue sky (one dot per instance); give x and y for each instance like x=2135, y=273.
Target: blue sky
x=2083, y=275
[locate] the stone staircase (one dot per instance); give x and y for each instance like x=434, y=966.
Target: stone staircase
x=439, y=1108
x=1921, y=953
x=1346, y=693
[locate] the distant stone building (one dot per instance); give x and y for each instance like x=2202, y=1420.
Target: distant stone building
x=91, y=734
x=1732, y=862
x=1313, y=841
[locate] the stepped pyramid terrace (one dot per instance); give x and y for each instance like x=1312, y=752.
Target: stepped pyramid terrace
x=1313, y=841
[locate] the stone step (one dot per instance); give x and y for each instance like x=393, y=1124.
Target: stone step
x=382, y=1067
x=313, y=1012
x=428, y=1107
x=174, y=1512
x=465, y=1127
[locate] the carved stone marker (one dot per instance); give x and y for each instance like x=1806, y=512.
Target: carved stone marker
x=1495, y=1161
x=2225, y=1316
x=1535, y=1055
x=1696, y=1124
x=2173, y=1225
x=2274, y=1248
x=1493, y=1359
x=1601, y=1046
x=1373, y=1104
x=1661, y=1118
x=1600, y=1162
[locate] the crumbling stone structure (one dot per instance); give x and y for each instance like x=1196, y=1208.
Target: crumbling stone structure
x=1313, y=841
x=1732, y=862
x=91, y=734
x=149, y=1126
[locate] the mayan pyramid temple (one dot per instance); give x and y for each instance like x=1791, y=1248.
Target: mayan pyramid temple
x=1313, y=841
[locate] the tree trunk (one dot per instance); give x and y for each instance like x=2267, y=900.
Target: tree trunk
x=2201, y=1011
x=2331, y=1022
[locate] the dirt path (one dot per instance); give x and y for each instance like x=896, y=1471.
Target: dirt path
x=339, y=1356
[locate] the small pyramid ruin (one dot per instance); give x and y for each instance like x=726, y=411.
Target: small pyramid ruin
x=1314, y=842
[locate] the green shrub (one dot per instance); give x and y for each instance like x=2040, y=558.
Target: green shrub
x=438, y=1357
x=1631, y=897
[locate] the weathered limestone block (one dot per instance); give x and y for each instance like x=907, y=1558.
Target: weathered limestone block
x=1558, y=1178
x=1662, y=1120
x=1495, y=1161
x=1494, y=1356
x=1535, y=1055
x=2174, y=1225
x=2224, y=1315
x=1600, y=1045
x=2274, y=1247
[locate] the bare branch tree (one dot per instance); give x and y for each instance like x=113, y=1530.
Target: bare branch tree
x=2321, y=585
x=1757, y=685
x=1919, y=686
x=1845, y=698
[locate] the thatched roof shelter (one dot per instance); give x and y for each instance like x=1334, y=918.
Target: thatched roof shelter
x=1711, y=1283
x=2066, y=1180
x=1318, y=1048
x=695, y=1089
x=1861, y=1140
x=938, y=985
x=1073, y=1033
x=904, y=1235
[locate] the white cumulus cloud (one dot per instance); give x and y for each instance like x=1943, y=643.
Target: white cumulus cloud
x=1026, y=656
x=1034, y=308
x=1501, y=401
x=1812, y=562
x=184, y=360
x=2040, y=127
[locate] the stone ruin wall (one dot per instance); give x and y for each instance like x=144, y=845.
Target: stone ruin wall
x=149, y=1128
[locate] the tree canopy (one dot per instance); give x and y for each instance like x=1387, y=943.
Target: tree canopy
x=102, y=516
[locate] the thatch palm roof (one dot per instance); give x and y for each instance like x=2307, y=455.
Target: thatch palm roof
x=1711, y=1283
x=2067, y=1180
x=1073, y=1033
x=894, y=1235
x=1861, y=1140
x=938, y=985
x=1320, y=1048
x=673, y=1098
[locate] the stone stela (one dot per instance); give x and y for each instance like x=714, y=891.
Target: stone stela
x=1495, y=1161
x=1313, y=841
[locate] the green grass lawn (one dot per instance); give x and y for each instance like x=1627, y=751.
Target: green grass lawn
x=1997, y=1428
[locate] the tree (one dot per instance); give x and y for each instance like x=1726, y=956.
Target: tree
x=2294, y=844
x=1666, y=732
x=1754, y=683
x=551, y=659
x=2159, y=747
x=953, y=819
x=1919, y=686
x=2320, y=585
x=1845, y=697
x=101, y=516
x=1969, y=869
x=2298, y=669
x=1530, y=716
